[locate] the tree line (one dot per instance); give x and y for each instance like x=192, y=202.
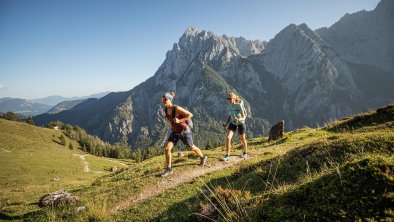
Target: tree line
x=93, y=144
x=15, y=117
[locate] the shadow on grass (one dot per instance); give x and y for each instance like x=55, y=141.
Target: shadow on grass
x=284, y=139
x=23, y=217
x=6, y=217
x=307, y=160
x=57, y=142
x=355, y=191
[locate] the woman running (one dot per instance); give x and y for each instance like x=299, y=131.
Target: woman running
x=236, y=116
x=178, y=118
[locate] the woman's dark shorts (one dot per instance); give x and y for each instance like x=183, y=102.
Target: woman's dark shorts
x=241, y=128
x=185, y=137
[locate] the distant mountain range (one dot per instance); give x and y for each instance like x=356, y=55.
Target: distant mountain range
x=54, y=100
x=38, y=106
x=64, y=106
x=22, y=106
x=303, y=76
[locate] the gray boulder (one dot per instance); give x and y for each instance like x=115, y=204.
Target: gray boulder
x=57, y=198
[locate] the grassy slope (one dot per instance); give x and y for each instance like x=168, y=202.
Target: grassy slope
x=31, y=157
x=341, y=172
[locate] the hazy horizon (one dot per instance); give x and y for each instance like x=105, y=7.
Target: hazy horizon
x=79, y=48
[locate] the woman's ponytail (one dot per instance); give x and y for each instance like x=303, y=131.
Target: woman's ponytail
x=233, y=95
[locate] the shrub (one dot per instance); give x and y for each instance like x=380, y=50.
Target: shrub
x=227, y=203
x=11, y=116
x=62, y=140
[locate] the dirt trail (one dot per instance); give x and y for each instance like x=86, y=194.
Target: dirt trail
x=172, y=181
x=85, y=163
x=5, y=150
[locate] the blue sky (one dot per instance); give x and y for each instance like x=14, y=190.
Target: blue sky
x=81, y=47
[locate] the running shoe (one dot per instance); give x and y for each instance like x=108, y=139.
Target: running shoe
x=167, y=172
x=203, y=160
x=226, y=158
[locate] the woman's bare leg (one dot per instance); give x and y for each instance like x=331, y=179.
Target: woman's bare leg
x=244, y=143
x=228, y=141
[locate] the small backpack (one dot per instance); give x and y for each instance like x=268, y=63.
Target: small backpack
x=189, y=122
x=242, y=105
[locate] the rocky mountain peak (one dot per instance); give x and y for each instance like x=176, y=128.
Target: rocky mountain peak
x=190, y=31
x=294, y=41
x=204, y=46
x=211, y=43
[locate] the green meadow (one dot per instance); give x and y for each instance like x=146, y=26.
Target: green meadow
x=33, y=162
x=340, y=172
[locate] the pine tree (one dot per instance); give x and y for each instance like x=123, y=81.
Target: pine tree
x=62, y=140
x=11, y=116
x=30, y=120
x=208, y=145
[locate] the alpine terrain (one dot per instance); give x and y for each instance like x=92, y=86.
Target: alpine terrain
x=303, y=76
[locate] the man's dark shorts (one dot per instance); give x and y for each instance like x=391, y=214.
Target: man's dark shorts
x=241, y=128
x=185, y=137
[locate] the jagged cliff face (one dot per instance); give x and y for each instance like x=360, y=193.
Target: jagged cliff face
x=363, y=41
x=195, y=46
x=303, y=76
x=365, y=37
x=311, y=75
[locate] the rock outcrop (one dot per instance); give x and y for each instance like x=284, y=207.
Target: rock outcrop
x=277, y=131
x=57, y=198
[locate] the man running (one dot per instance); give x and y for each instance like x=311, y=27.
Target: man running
x=178, y=118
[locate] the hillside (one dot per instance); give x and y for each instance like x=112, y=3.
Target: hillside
x=343, y=171
x=33, y=163
x=65, y=105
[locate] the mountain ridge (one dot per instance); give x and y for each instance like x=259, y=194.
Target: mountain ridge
x=22, y=106
x=50, y=104
x=54, y=100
